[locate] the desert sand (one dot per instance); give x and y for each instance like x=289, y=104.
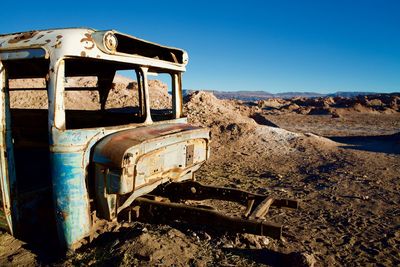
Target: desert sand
x=339, y=157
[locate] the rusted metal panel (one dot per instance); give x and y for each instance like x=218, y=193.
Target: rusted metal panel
x=145, y=157
x=71, y=157
x=70, y=197
x=111, y=150
x=120, y=181
x=189, y=154
x=169, y=161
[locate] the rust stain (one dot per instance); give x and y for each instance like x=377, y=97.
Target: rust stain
x=23, y=36
x=59, y=36
x=58, y=44
x=88, y=40
x=48, y=41
x=40, y=36
x=136, y=136
x=64, y=215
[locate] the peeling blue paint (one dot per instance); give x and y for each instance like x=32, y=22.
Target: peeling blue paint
x=70, y=197
x=75, y=137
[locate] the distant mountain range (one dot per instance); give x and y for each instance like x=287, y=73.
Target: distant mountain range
x=259, y=95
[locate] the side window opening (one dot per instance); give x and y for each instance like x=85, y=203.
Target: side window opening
x=160, y=90
x=28, y=100
x=28, y=93
x=28, y=103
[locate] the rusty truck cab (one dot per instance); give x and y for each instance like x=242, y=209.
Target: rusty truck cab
x=69, y=165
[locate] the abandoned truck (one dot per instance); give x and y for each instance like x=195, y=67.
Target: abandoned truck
x=63, y=169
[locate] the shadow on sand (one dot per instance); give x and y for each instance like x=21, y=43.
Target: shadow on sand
x=268, y=257
x=259, y=119
x=389, y=144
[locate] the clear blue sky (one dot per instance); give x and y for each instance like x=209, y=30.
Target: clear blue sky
x=321, y=46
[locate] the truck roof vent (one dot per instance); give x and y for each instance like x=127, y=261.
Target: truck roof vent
x=112, y=42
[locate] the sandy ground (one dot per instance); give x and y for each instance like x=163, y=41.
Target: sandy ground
x=349, y=193
x=343, y=169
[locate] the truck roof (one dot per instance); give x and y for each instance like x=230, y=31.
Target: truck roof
x=86, y=42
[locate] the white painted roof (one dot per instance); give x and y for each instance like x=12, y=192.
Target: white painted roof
x=85, y=42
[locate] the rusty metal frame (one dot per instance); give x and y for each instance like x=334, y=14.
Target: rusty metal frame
x=159, y=211
x=177, y=104
x=252, y=220
x=144, y=71
x=192, y=190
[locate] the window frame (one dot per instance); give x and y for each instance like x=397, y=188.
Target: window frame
x=57, y=89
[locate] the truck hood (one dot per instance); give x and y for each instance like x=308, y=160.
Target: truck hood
x=112, y=149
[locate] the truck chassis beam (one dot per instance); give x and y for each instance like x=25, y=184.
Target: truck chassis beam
x=252, y=221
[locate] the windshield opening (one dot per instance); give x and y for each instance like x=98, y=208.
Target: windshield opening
x=100, y=93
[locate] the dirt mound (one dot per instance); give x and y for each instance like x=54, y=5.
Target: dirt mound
x=236, y=125
x=221, y=116
x=335, y=106
x=272, y=103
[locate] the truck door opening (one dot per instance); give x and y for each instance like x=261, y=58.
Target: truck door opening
x=28, y=113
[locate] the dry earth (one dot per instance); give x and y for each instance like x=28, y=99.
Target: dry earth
x=342, y=164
